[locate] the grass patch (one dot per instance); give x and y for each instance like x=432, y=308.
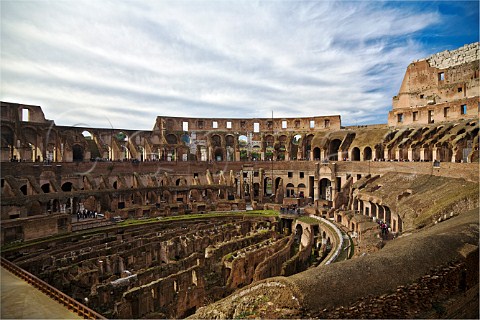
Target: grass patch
x=308, y=220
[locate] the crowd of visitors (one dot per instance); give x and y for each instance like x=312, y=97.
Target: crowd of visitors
x=85, y=214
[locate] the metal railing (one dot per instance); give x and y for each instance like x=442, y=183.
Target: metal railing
x=71, y=304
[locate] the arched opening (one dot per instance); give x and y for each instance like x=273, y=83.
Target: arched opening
x=333, y=149
x=87, y=135
x=367, y=153
x=256, y=153
x=325, y=189
x=308, y=146
x=267, y=186
x=185, y=138
x=202, y=153
x=24, y=189
x=46, y=187
x=218, y=154
x=355, y=154
x=256, y=190
x=67, y=187
x=171, y=139
x=301, y=190
x=181, y=182
x=243, y=147
x=216, y=141
x=230, y=143
x=77, y=153
x=281, y=147
x=277, y=182
x=290, y=189
x=298, y=233
x=294, y=146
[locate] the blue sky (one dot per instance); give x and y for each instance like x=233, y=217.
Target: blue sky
x=122, y=63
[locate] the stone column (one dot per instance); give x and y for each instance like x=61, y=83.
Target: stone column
x=385, y=154
x=410, y=154
x=434, y=153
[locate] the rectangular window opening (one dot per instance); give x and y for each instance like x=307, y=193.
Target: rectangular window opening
x=25, y=115
x=200, y=124
x=421, y=96
x=284, y=124
x=463, y=109
x=185, y=125
x=215, y=124
x=400, y=117
x=229, y=124
x=460, y=89
x=302, y=175
x=430, y=116
x=415, y=115
x=446, y=111
x=441, y=76
x=312, y=124
x=256, y=127
x=290, y=174
x=327, y=123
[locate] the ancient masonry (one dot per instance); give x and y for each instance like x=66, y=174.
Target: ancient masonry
x=154, y=223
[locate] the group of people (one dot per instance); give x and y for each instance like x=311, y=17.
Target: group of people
x=85, y=214
x=384, y=229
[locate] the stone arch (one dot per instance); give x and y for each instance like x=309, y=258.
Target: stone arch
x=218, y=154
x=290, y=190
x=33, y=151
x=281, y=147
x=308, y=146
x=216, y=141
x=46, y=187
x=301, y=190
x=295, y=144
x=355, y=154
x=316, y=153
x=78, y=152
x=171, y=139
x=229, y=140
x=24, y=189
x=67, y=186
x=256, y=189
x=90, y=203
x=256, y=153
x=298, y=233
x=367, y=153
x=325, y=186
x=166, y=196
x=35, y=208
x=181, y=182
x=230, y=147
x=333, y=149
x=195, y=195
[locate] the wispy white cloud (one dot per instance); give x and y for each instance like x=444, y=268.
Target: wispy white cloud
x=129, y=61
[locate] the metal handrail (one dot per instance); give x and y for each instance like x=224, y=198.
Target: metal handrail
x=72, y=304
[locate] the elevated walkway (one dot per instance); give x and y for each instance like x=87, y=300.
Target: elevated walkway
x=24, y=296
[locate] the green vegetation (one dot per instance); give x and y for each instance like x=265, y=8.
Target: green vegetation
x=308, y=220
